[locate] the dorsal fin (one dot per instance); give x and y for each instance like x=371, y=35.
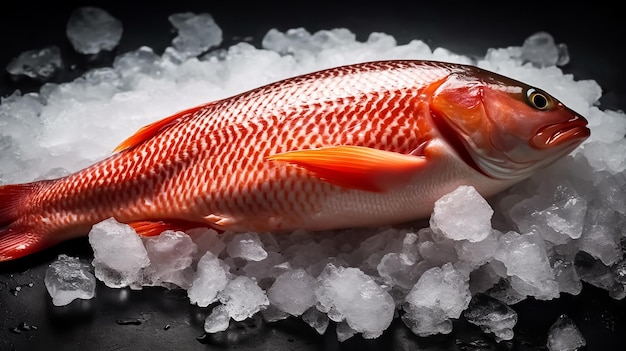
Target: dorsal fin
x=146, y=132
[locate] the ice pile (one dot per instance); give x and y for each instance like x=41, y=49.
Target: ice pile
x=541, y=238
x=92, y=29
x=68, y=279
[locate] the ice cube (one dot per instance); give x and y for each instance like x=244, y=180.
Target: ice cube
x=196, y=33
x=439, y=295
x=492, y=316
x=293, y=292
x=316, y=319
x=247, y=246
x=171, y=254
x=480, y=252
x=217, y=321
x=566, y=276
x=526, y=261
x=242, y=298
x=273, y=314
x=207, y=240
x=39, y=63
x=344, y=331
x=67, y=279
x=351, y=295
x=601, y=241
x=210, y=279
x=565, y=336
x=541, y=51
x=462, y=214
x=119, y=254
x=92, y=29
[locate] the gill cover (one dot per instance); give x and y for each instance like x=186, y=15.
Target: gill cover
x=504, y=128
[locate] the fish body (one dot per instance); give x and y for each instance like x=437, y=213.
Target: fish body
x=361, y=145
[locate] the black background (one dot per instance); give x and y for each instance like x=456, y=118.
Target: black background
x=592, y=32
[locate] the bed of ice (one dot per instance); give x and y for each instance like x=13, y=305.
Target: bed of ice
x=475, y=257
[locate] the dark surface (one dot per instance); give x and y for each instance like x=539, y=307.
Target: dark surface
x=164, y=320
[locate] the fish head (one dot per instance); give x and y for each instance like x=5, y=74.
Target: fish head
x=504, y=128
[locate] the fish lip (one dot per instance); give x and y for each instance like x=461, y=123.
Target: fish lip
x=561, y=133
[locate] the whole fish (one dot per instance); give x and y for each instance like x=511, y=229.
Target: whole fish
x=367, y=144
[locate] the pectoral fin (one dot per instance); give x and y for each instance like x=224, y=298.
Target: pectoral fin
x=356, y=167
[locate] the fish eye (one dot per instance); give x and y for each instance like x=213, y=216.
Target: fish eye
x=538, y=99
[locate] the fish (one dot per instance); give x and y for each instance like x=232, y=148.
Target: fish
x=362, y=145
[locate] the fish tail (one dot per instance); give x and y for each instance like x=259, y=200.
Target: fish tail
x=17, y=240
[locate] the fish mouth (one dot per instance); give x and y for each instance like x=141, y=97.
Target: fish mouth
x=561, y=133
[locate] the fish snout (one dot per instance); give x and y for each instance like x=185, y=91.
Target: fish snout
x=572, y=131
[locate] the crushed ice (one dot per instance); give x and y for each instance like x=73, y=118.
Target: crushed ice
x=541, y=238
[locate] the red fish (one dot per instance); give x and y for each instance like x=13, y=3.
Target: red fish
x=360, y=145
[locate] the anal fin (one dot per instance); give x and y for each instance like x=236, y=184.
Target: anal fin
x=16, y=243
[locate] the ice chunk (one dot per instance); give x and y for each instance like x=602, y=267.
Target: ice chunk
x=92, y=29
x=492, y=316
x=210, y=279
x=67, y=279
x=273, y=314
x=399, y=268
x=293, y=292
x=619, y=270
x=612, y=189
x=242, y=298
x=486, y=276
x=196, y=33
x=171, y=254
x=541, y=50
x=565, y=336
x=344, y=331
x=596, y=273
x=217, y=321
x=351, y=295
x=207, y=240
x=526, y=261
x=462, y=215
x=247, y=246
x=40, y=64
x=566, y=276
x=119, y=254
x=265, y=268
x=316, y=319
x=439, y=295
x=478, y=253
x=142, y=61
x=557, y=222
x=601, y=241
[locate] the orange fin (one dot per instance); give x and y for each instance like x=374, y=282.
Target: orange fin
x=356, y=167
x=16, y=243
x=14, y=197
x=146, y=132
x=153, y=228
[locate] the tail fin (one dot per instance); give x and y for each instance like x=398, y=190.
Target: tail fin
x=17, y=240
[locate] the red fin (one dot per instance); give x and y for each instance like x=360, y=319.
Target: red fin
x=15, y=243
x=356, y=167
x=13, y=197
x=146, y=132
x=153, y=228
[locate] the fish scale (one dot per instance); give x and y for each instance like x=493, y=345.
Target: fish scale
x=360, y=145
